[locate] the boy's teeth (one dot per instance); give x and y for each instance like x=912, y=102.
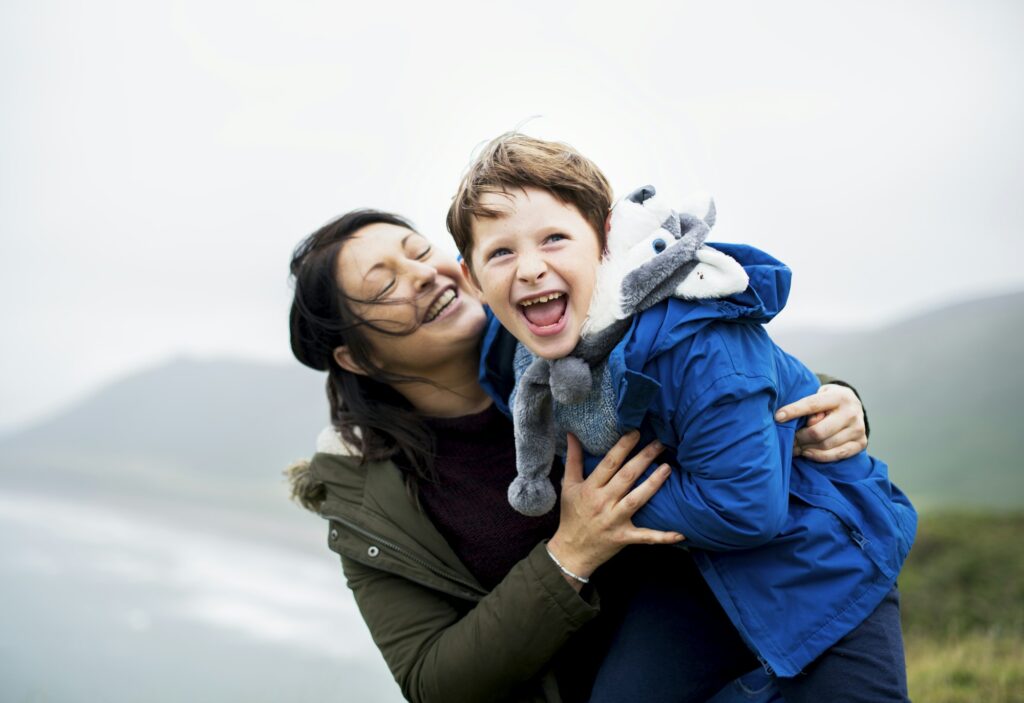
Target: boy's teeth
x=542, y=299
x=441, y=303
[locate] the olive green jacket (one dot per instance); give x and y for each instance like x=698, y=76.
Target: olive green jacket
x=444, y=637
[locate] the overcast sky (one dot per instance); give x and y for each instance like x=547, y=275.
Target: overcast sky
x=159, y=161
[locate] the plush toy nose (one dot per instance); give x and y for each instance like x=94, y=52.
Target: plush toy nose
x=640, y=195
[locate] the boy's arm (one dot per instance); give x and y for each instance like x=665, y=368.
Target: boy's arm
x=731, y=487
x=730, y=483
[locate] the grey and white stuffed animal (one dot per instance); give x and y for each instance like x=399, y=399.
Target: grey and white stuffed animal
x=653, y=253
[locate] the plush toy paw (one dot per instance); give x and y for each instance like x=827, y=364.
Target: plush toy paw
x=570, y=380
x=532, y=496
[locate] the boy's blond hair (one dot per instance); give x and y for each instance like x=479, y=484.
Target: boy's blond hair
x=513, y=161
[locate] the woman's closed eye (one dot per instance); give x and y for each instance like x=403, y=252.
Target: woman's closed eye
x=384, y=291
x=421, y=256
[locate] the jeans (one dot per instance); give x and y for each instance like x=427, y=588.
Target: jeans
x=674, y=643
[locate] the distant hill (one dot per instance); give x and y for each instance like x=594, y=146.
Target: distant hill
x=944, y=394
x=943, y=391
x=187, y=427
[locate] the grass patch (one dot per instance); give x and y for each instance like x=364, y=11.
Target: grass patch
x=962, y=602
x=968, y=669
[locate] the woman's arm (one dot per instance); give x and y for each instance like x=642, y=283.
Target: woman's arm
x=597, y=512
x=837, y=424
x=438, y=650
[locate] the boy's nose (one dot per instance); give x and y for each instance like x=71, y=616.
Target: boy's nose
x=531, y=268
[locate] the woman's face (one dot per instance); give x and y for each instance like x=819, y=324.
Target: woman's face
x=399, y=283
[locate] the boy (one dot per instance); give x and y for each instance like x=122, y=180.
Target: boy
x=801, y=558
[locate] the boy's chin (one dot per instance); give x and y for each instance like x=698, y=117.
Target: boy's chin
x=552, y=350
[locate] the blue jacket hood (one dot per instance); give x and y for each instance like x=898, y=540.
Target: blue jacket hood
x=768, y=290
x=763, y=299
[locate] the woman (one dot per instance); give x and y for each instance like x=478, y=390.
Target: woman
x=463, y=596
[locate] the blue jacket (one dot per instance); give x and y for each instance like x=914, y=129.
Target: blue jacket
x=798, y=553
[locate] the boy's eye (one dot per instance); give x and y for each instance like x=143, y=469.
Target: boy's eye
x=557, y=237
x=500, y=251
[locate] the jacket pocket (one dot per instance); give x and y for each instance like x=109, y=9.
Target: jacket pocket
x=857, y=492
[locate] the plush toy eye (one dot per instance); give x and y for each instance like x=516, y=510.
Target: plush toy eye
x=659, y=245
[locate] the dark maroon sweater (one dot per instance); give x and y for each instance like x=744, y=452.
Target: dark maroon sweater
x=475, y=463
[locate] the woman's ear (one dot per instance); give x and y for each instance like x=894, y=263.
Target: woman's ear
x=343, y=357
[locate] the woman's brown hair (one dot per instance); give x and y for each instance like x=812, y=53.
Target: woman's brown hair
x=366, y=410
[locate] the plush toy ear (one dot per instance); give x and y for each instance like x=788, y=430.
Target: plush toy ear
x=700, y=204
x=711, y=213
x=716, y=275
x=642, y=194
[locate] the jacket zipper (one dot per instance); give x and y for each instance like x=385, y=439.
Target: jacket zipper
x=444, y=573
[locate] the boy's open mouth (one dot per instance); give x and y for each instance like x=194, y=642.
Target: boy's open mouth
x=545, y=314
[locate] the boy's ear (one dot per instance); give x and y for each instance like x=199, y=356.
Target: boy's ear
x=344, y=359
x=468, y=274
x=607, y=233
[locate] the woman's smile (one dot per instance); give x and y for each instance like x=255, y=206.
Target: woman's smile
x=420, y=312
x=446, y=303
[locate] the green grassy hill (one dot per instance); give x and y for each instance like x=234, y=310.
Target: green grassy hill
x=962, y=593
x=944, y=393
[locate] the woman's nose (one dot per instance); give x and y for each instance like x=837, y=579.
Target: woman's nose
x=422, y=274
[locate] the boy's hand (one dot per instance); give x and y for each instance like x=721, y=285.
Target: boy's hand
x=596, y=512
x=835, y=426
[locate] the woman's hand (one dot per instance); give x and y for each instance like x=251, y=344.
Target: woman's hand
x=597, y=512
x=835, y=426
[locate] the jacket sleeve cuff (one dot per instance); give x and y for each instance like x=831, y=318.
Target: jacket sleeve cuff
x=578, y=607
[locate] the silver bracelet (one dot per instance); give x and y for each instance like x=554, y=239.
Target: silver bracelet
x=564, y=570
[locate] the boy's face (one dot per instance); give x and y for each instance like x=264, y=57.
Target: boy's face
x=535, y=267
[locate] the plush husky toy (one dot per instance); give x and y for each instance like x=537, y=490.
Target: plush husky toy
x=653, y=253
